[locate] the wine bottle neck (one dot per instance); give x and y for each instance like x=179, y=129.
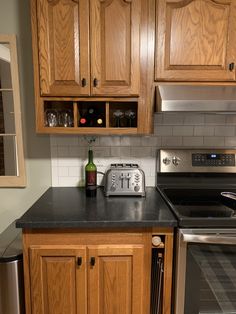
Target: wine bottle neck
x=90, y=156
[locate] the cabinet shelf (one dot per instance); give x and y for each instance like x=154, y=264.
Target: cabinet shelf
x=89, y=116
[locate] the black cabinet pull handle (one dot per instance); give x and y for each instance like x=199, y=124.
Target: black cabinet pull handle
x=95, y=82
x=84, y=82
x=79, y=261
x=92, y=261
x=231, y=66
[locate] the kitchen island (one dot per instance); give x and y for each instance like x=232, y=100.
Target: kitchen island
x=93, y=255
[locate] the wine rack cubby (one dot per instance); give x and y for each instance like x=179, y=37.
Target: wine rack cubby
x=89, y=116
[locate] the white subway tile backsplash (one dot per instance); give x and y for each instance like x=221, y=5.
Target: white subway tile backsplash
x=120, y=151
x=231, y=119
x=148, y=165
x=69, y=153
x=215, y=119
x=55, y=176
x=193, y=141
x=54, y=155
x=76, y=171
x=63, y=151
x=168, y=141
x=150, y=181
x=150, y=141
x=204, y=131
x=214, y=141
x=158, y=118
x=78, y=151
x=230, y=141
x=173, y=119
x=109, y=140
x=130, y=140
x=140, y=151
x=165, y=130
x=194, y=119
x=66, y=162
x=63, y=171
x=183, y=130
x=101, y=152
x=224, y=130
x=70, y=181
x=62, y=139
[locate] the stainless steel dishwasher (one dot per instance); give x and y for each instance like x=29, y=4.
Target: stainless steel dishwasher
x=11, y=272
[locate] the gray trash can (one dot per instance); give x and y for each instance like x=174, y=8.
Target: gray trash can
x=11, y=272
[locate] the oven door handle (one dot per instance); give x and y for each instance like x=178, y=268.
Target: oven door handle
x=209, y=239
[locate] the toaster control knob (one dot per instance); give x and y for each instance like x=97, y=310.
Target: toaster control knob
x=166, y=161
x=175, y=161
x=113, y=187
x=136, y=188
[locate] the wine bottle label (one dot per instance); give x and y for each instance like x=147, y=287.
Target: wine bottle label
x=91, y=178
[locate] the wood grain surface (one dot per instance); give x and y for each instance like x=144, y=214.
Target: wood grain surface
x=195, y=40
x=115, y=38
x=63, y=35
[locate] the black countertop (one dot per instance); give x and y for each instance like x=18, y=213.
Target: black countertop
x=68, y=207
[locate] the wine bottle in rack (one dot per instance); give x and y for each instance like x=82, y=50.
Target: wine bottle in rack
x=83, y=121
x=100, y=121
x=91, y=117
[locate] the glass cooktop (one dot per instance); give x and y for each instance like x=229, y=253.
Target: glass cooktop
x=201, y=207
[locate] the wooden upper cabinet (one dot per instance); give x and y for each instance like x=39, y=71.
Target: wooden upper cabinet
x=195, y=40
x=63, y=47
x=116, y=280
x=115, y=44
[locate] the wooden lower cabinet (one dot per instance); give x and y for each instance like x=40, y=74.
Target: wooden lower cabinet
x=58, y=283
x=115, y=282
x=87, y=273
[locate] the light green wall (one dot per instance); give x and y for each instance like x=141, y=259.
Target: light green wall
x=15, y=19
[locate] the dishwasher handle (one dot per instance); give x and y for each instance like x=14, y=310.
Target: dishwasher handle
x=213, y=238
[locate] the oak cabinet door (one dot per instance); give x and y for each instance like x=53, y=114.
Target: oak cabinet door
x=63, y=44
x=58, y=280
x=115, y=38
x=115, y=279
x=195, y=40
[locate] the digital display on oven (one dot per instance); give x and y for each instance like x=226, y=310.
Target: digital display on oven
x=213, y=156
x=213, y=160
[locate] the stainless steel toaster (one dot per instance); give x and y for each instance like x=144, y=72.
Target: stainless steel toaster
x=124, y=179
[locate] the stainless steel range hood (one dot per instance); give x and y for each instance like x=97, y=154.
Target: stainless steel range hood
x=196, y=98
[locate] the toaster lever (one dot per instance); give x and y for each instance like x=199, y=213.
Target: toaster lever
x=128, y=177
x=122, y=180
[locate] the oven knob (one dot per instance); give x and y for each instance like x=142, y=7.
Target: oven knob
x=166, y=161
x=175, y=161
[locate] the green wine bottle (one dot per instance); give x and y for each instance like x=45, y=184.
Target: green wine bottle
x=90, y=176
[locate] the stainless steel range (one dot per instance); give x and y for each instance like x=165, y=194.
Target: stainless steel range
x=192, y=182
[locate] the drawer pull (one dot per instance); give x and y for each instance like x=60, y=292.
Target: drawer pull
x=92, y=261
x=95, y=82
x=231, y=66
x=79, y=261
x=84, y=82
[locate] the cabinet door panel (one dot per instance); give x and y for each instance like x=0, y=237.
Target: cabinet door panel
x=195, y=40
x=58, y=284
x=116, y=280
x=115, y=46
x=63, y=30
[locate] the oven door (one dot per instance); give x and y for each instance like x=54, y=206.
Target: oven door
x=206, y=271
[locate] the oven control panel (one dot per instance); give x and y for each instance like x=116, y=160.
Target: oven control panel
x=196, y=161
x=213, y=160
